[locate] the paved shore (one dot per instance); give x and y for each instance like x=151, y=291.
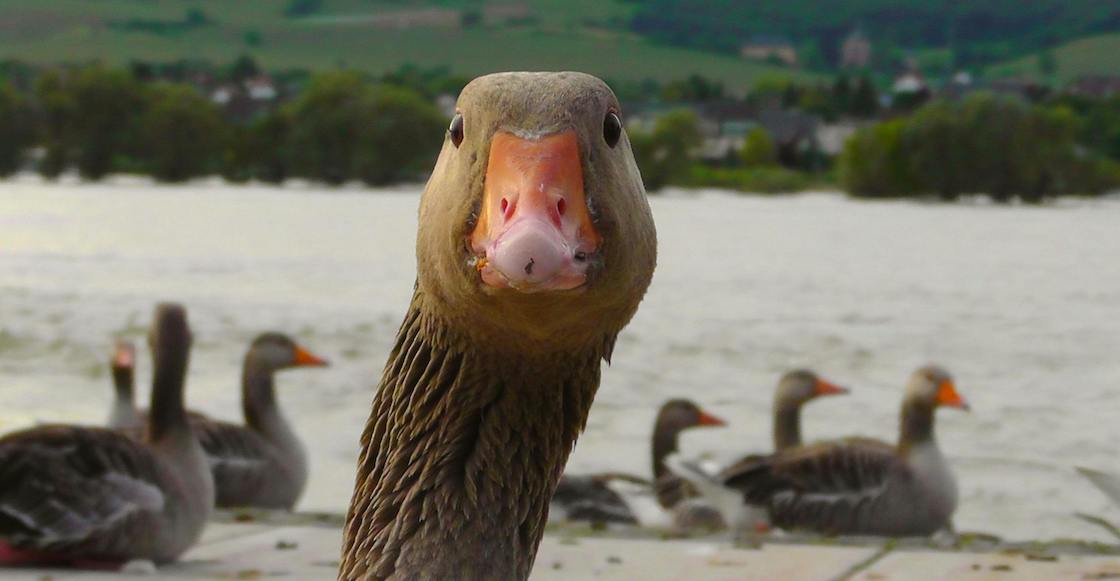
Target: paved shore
x=306, y=547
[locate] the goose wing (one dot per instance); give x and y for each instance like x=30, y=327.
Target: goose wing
x=72, y=489
x=831, y=487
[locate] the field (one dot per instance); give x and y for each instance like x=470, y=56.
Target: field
x=583, y=35
x=1094, y=55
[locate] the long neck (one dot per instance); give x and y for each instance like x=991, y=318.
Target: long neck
x=917, y=425
x=258, y=396
x=460, y=456
x=168, y=417
x=123, y=383
x=665, y=441
x=787, y=424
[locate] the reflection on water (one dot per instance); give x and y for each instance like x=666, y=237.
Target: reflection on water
x=1020, y=303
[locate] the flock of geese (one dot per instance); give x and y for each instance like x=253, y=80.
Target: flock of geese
x=144, y=486
x=854, y=485
x=535, y=247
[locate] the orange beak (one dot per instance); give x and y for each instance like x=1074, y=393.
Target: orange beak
x=947, y=396
x=534, y=231
x=305, y=358
x=825, y=388
x=707, y=419
x=125, y=355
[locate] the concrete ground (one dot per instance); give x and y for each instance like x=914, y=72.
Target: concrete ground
x=309, y=551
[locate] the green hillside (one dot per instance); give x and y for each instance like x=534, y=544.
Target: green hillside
x=1095, y=55
x=588, y=35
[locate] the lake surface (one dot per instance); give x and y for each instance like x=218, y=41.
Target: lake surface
x=1021, y=303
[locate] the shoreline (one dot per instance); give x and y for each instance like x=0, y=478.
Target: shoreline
x=262, y=544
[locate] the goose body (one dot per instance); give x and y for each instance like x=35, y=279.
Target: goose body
x=596, y=498
x=862, y=486
x=262, y=463
x=794, y=389
x=74, y=495
x=535, y=246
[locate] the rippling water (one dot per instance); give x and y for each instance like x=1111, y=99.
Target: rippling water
x=1022, y=304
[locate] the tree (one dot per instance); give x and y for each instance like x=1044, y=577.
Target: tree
x=758, y=149
x=184, y=135
x=865, y=99
x=327, y=122
x=16, y=130
x=90, y=119
x=842, y=93
x=403, y=138
x=666, y=155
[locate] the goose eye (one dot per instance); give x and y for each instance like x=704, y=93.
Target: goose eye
x=612, y=128
x=455, y=131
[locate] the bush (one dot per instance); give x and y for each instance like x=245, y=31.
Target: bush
x=983, y=145
x=758, y=149
x=763, y=180
x=666, y=155
x=89, y=119
x=183, y=134
x=16, y=129
x=403, y=139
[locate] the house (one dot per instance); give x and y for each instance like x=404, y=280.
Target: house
x=769, y=48
x=855, y=51
x=909, y=82
x=261, y=88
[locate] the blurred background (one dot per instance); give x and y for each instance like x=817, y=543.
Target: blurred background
x=859, y=187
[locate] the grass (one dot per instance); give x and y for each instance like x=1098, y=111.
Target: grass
x=566, y=34
x=1086, y=56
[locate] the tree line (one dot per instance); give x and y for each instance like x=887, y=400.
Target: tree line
x=983, y=144
x=97, y=121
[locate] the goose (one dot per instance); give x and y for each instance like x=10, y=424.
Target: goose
x=724, y=506
x=263, y=463
x=535, y=246
x=859, y=485
x=85, y=496
x=592, y=498
x=123, y=413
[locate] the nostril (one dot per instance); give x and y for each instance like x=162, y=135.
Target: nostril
x=505, y=207
x=561, y=205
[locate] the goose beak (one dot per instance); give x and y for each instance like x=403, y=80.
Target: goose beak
x=305, y=358
x=707, y=419
x=534, y=231
x=947, y=396
x=124, y=356
x=826, y=388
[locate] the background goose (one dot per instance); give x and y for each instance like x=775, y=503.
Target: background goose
x=795, y=389
x=122, y=365
x=596, y=498
x=262, y=463
x=862, y=486
x=535, y=246
x=75, y=495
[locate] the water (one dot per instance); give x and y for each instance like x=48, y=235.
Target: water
x=1021, y=303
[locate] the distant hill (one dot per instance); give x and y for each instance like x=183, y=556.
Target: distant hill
x=468, y=37
x=979, y=32
x=1094, y=55
x=623, y=40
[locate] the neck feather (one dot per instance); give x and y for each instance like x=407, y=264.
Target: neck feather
x=258, y=395
x=787, y=425
x=666, y=440
x=168, y=416
x=461, y=455
x=917, y=425
x=123, y=379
